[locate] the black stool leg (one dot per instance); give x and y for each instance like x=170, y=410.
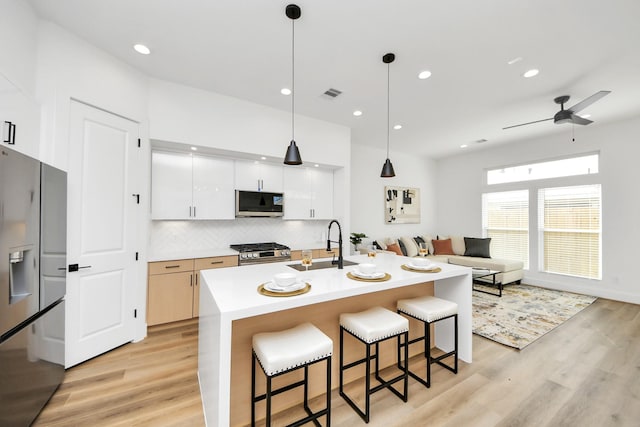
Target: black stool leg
x=268, y=419
x=253, y=389
x=367, y=390
x=427, y=350
x=329, y=392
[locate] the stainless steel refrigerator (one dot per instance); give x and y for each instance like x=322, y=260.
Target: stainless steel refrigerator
x=32, y=285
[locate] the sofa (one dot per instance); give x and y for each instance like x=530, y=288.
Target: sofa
x=466, y=251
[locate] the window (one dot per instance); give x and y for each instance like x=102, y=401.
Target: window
x=582, y=165
x=570, y=230
x=505, y=218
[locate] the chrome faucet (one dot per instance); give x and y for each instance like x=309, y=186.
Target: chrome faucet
x=339, y=242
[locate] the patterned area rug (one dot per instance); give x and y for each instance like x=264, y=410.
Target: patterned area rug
x=524, y=313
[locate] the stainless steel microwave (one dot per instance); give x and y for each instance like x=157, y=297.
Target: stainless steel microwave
x=258, y=204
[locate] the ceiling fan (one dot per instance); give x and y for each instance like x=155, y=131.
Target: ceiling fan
x=569, y=115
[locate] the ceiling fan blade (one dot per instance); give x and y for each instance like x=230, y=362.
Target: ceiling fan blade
x=577, y=120
x=528, y=123
x=588, y=101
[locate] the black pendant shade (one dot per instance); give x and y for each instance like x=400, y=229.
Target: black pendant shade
x=387, y=170
x=293, y=155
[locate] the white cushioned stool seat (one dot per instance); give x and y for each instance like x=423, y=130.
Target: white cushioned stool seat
x=428, y=308
x=374, y=324
x=284, y=350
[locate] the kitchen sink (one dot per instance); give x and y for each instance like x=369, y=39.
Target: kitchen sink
x=320, y=265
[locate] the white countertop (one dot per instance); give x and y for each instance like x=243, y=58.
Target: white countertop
x=235, y=289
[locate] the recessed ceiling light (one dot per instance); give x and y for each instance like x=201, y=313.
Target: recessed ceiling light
x=194, y=148
x=357, y=113
x=285, y=91
x=464, y=146
x=424, y=74
x=514, y=60
x=316, y=165
x=396, y=127
x=263, y=158
x=140, y=48
x=531, y=73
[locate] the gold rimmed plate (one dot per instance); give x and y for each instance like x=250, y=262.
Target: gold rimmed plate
x=421, y=270
x=264, y=291
x=384, y=278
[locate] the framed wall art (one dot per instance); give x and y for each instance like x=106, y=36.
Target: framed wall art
x=402, y=205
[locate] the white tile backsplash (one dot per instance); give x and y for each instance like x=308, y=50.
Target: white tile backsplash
x=199, y=236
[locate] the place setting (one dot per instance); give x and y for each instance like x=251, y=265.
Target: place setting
x=366, y=272
x=284, y=285
x=421, y=265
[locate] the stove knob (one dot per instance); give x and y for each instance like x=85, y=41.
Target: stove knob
x=254, y=255
x=286, y=252
x=243, y=256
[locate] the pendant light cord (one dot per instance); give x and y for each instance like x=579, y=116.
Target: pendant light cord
x=388, y=103
x=293, y=77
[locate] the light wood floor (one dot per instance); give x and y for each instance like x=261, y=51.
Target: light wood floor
x=584, y=373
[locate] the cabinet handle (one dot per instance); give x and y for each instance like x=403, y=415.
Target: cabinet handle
x=11, y=135
x=194, y=211
x=191, y=280
x=189, y=211
x=216, y=262
x=196, y=279
x=172, y=266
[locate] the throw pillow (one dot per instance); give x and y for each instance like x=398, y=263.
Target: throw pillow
x=477, y=247
x=442, y=247
x=394, y=248
x=403, y=248
x=410, y=246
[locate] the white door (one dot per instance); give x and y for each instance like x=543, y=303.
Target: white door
x=102, y=218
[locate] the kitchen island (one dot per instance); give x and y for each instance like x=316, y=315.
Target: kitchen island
x=231, y=311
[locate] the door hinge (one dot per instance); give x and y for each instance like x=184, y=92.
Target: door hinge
x=135, y=313
x=138, y=142
x=137, y=196
x=136, y=256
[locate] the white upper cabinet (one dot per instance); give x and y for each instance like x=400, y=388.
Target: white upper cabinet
x=184, y=186
x=256, y=176
x=213, y=193
x=19, y=120
x=308, y=193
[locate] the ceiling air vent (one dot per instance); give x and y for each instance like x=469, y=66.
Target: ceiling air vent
x=332, y=93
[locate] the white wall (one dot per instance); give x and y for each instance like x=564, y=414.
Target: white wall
x=69, y=67
x=367, y=192
x=192, y=116
x=18, y=28
x=461, y=183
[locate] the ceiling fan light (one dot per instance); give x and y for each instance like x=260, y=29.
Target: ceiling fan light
x=293, y=155
x=387, y=170
x=531, y=73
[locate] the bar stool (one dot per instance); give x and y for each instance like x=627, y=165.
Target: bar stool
x=430, y=310
x=372, y=327
x=281, y=352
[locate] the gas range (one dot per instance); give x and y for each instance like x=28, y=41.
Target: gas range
x=258, y=253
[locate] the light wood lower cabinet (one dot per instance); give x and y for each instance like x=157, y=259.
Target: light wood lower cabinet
x=173, y=291
x=296, y=255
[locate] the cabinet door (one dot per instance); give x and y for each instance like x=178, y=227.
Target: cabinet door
x=19, y=120
x=213, y=192
x=170, y=297
x=321, y=187
x=297, y=194
x=171, y=186
x=256, y=176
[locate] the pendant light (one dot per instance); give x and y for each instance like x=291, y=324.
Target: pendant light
x=387, y=168
x=293, y=154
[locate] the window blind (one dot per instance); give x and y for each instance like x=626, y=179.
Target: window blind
x=570, y=230
x=505, y=218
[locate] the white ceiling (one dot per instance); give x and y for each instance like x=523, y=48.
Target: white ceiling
x=242, y=48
